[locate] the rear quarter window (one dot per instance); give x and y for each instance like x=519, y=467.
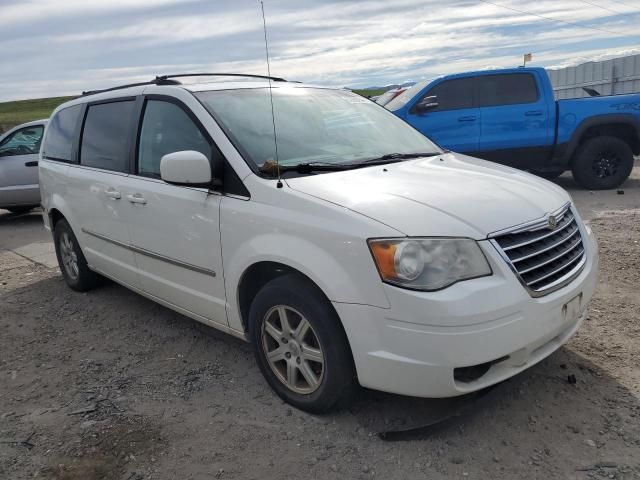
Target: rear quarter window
x=58, y=142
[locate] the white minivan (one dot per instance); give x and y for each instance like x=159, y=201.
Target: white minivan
x=311, y=222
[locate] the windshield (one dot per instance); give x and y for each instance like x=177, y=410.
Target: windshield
x=312, y=125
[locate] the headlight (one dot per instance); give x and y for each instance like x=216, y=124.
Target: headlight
x=428, y=263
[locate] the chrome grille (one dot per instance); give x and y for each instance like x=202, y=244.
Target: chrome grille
x=544, y=258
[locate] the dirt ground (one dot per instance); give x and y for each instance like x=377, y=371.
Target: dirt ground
x=108, y=385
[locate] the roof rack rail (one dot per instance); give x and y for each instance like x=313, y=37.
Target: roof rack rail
x=169, y=80
x=179, y=75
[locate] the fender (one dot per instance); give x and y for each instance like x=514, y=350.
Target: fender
x=315, y=263
x=570, y=147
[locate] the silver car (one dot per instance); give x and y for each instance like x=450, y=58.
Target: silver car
x=19, y=147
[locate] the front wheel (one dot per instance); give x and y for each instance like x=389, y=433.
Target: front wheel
x=300, y=345
x=602, y=163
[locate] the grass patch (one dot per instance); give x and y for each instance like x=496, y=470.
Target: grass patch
x=371, y=93
x=21, y=111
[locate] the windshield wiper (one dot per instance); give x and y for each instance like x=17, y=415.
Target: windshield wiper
x=309, y=167
x=396, y=157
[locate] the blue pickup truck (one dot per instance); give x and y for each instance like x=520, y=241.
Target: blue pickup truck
x=511, y=116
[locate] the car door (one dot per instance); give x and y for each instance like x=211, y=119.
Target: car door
x=96, y=188
x=19, y=166
x=175, y=229
x=515, y=122
x=455, y=122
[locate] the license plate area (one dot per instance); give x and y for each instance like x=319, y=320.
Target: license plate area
x=571, y=310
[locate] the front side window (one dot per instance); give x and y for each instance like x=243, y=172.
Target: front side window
x=510, y=89
x=105, y=136
x=453, y=94
x=312, y=125
x=58, y=144
x=25, y=141
x=166, y=128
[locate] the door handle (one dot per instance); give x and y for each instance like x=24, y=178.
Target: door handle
x=533, y=113
x=31, y=164
x=137, y=198
x=470, y=118
x=113, y=194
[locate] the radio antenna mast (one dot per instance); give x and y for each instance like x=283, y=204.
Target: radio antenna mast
x=273, y=115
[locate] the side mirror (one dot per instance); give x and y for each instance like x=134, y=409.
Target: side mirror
x=187, y=167
x=427, y=103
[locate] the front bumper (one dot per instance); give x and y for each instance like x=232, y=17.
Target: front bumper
x=414, y=347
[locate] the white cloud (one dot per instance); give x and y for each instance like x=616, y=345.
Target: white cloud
x=93, y=44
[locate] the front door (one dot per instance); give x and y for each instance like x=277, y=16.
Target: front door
x=19, y=166
x=455, y=123
x=175, y=230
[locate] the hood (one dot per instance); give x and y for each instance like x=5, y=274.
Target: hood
x=447, y=195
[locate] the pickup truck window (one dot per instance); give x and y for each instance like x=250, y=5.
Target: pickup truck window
x=453, y=94
x=509, y=89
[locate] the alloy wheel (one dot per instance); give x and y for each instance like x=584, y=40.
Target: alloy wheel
x=69, y=257
x=292, y=349
x=606, y=165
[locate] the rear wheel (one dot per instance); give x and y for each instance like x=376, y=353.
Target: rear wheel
x=602, y=163
x=300, y=346
x=72, y=263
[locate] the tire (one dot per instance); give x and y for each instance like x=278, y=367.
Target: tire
x=335, y=379
x=71, y=260
x=19, y=210
x=602, y=163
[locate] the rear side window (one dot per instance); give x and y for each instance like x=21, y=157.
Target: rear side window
x=105, y=136
x=25, y=141
x=453, y=94
x=166, y=128
x=58, y=144
x=512, y=89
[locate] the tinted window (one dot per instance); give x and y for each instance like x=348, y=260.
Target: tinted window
x=105, y=136
x=453, y=94
x=166, y=128
x=25, y=141
x=58, y=143
x=510, y=89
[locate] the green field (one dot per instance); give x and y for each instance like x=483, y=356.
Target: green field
x=370, y=93
x=21, y=111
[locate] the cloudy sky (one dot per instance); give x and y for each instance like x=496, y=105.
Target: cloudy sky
x=59, y=47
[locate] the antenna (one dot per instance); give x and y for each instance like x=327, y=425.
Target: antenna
x=273, y=115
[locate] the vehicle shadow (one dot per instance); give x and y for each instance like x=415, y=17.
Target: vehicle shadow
x=7, y=217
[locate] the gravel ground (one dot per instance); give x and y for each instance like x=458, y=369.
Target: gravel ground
x=110, y=385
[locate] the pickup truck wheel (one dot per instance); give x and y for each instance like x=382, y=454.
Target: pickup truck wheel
x=72, y=263
x=602, y=163
x=300, y=346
